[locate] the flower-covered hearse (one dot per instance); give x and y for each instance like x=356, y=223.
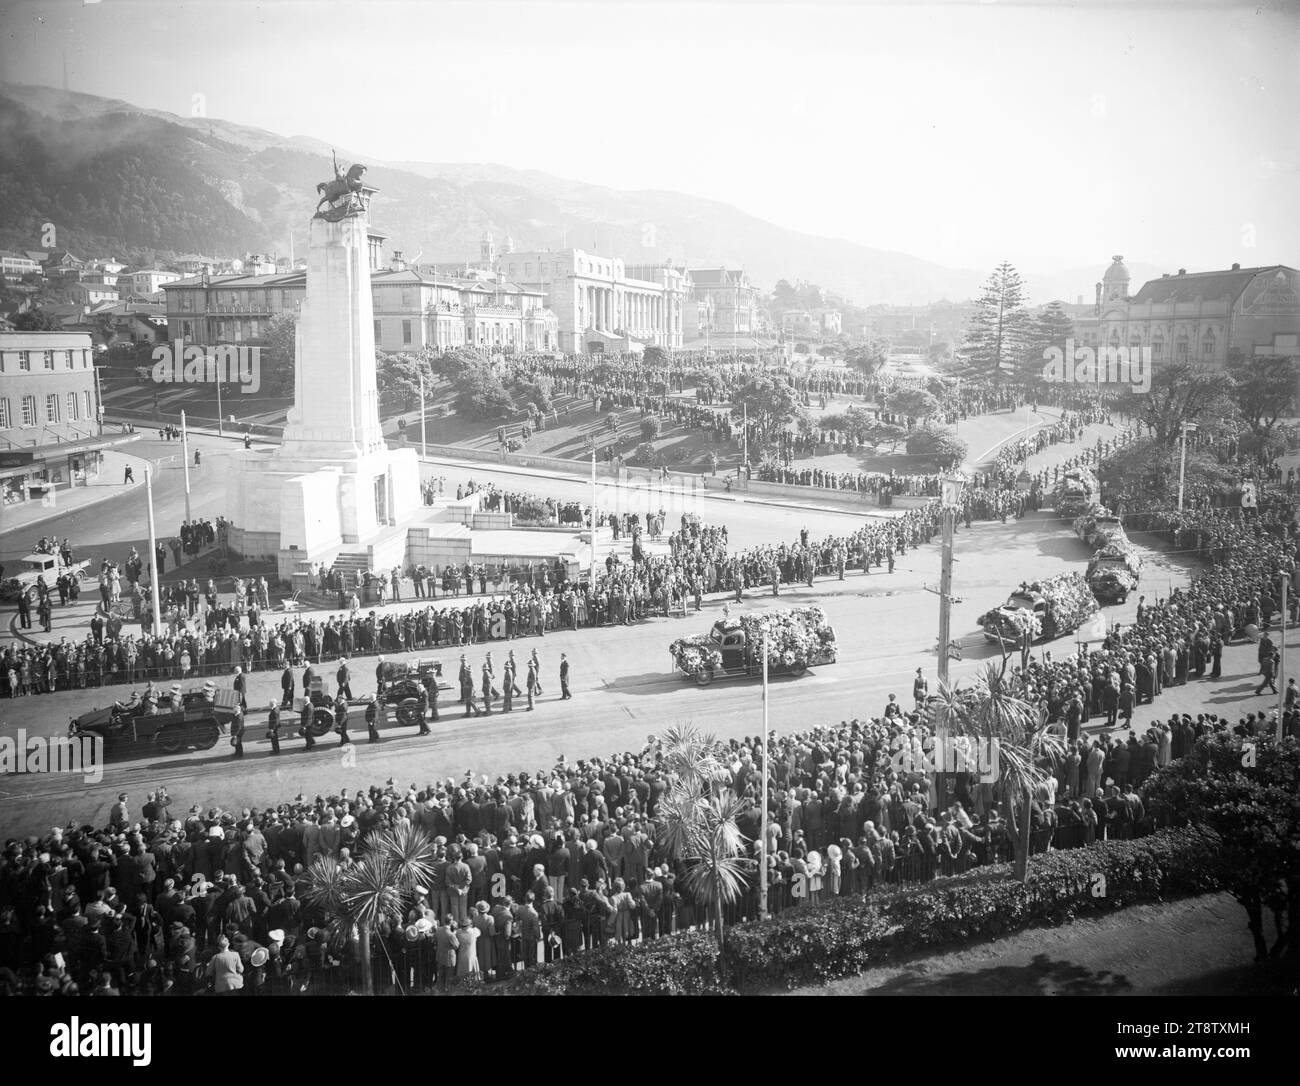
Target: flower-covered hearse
x=797, y=638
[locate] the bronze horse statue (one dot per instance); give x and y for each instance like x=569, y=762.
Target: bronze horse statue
x=343, y=185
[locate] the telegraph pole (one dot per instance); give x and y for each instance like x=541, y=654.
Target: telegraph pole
x=762, y=856
x=424, y=448
x=593, y=513
x=185, y=460
x=1182, y=461
x=951, y=497
x=220, y=432
x=1281, y=663
x=153, y=550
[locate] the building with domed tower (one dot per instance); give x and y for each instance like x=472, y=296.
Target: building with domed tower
x=1199, y=317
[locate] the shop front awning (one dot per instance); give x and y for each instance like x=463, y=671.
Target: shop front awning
x=21, y=456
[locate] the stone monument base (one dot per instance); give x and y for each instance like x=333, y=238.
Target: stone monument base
x=296, y=511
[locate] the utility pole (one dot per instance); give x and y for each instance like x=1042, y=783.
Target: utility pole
x=951, y=498
x=185, y=460
x=153, y=551
x=593, y=513
x=762, y=855
x=424, y=448
x=744, y=433
x=220, y=432
x=99, y=400
x=1281, y=662
x=1182, y=461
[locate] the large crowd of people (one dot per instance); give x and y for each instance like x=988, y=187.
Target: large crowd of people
x=543, y=863
x=533, y=867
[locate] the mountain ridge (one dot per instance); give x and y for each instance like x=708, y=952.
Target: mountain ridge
x=215, y=186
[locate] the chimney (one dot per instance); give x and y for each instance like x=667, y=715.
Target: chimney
x=1182, y=271
x=1164, y=275
x=1236, y=267
x=398, y=263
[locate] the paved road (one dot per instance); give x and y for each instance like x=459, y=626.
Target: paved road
x=623, y=690
x=111, y=527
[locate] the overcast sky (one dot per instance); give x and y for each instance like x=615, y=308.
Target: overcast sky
x=1052, y=136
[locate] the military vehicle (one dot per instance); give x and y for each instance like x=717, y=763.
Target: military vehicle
x=178, y=721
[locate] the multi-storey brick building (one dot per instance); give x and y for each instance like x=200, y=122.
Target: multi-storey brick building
x=49, y=413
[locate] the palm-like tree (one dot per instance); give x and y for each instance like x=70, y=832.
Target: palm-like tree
x=993, y=711
x=371, y=893
x=699, y=823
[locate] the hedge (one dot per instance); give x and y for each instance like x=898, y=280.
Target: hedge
x=814, y=944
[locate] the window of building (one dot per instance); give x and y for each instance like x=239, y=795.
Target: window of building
x=1207, y=345
x=378, y=336
x=52, y=407
x=1157, y=348
x=90, y=411
x=406, y=331
x=1180, y=349
x=5, y=420
x=67, y=360
x=29, y=410
x=48, y=359
x=72, y=407
x=528, y=271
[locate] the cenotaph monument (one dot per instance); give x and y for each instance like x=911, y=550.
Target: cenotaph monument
x=333, y=484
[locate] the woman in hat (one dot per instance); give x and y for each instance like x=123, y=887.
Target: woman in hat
x=467, y=950
x=483, y=923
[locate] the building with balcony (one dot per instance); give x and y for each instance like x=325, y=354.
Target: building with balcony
x=14, y=265
x=734, y=301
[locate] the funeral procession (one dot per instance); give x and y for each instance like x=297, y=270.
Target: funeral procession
x=444, y=560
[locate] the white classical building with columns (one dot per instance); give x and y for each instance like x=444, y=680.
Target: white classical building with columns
x=598, y=304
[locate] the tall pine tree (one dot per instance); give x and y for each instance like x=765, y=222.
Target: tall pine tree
x=1000, y=331
x=1050, y=328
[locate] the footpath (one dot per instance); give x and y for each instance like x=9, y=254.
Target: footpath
x=1194, y=946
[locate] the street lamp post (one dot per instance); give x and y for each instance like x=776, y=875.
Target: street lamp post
x=185, y=460
x=153, y=551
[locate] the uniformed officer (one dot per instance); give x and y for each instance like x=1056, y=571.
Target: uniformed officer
x=237, y=735
x=304, y=725
x=341, y=719
x=379, y=676
x=422, y=707
x=531, y=684
x=344, y=677
x=487, y=690
x=273, y=727
x=241, y=687
x=372, y=720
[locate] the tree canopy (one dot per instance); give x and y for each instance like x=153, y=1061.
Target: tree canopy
x=1180, y=392
x=937, y=443
x=773, y=404
x=1245, y=790
x=1264, y=389
x=1000, y=329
